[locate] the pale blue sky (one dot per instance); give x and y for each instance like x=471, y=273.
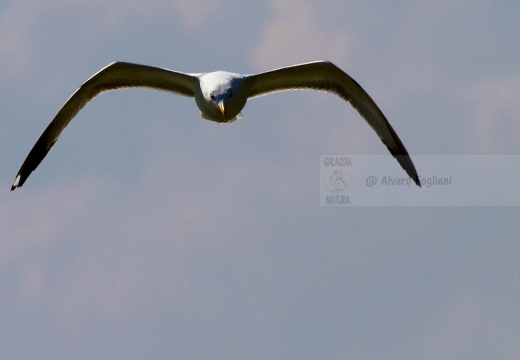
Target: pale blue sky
x=148, y=232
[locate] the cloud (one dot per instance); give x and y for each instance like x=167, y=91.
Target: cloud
x=30, y=219
x=296, y=35
x=33, y=281
x=457, y=329
x=26, y=24
x=495, y=104
x=16, y=36
x=196, y=12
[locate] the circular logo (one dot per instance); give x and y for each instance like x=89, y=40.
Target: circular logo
x=337, y=181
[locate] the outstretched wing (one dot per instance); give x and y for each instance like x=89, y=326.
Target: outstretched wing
x=115, y=76
x=325, y=76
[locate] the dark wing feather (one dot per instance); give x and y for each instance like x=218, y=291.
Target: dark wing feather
x=114, y=76
x=325, y=76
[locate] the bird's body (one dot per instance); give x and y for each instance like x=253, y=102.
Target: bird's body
x=220, y=96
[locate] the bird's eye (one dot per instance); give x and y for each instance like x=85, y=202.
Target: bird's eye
x=212, y=96
x=230, y=94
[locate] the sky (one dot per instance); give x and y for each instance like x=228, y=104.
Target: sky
x=148, y=232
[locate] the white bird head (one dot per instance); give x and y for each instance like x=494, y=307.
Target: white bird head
x=222, y=96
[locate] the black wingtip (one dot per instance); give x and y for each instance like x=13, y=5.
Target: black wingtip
x=17, y=182
x=406, y=163
x=417, y=181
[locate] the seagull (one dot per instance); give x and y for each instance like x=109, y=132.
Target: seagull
x=220, y=96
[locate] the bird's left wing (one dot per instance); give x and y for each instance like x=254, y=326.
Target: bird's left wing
x=325, y=76
x=114, y=76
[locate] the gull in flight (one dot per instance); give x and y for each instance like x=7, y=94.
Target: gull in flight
x=220, y=96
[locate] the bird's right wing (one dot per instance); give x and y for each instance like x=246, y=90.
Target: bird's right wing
x=115, y=76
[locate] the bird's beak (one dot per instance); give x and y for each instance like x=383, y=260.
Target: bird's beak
x=222, y=107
